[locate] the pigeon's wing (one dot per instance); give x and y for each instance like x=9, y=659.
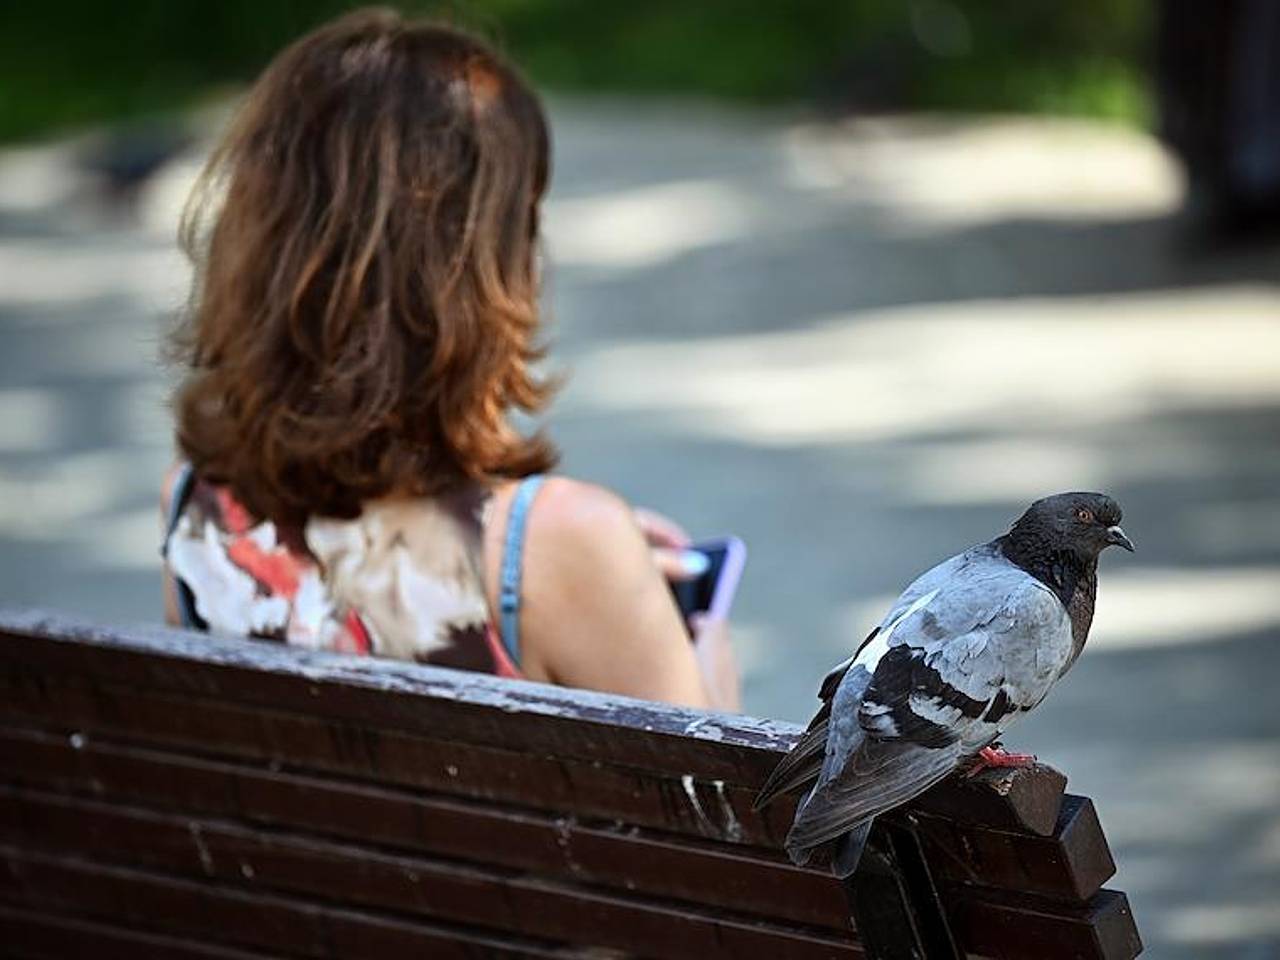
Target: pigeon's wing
x=816, y=749
x=930, y=582
x=807, y=758
x=951, y=668
x=803, y=763
x=879, y=777
x=799, y=767
x=991, y=640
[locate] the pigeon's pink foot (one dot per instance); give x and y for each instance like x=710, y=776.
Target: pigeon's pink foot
x=989, y=757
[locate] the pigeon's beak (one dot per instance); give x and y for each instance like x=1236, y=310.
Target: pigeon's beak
x=1116, y=537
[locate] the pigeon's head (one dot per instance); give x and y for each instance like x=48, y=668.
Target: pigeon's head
x=1085, y=523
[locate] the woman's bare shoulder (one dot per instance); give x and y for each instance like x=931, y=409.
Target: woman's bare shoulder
x=573, y=528
x=597, y=612
x=572, y=510
x=567, y=513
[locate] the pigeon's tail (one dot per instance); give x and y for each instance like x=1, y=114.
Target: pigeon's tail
x=846, y=851
x=800, y=855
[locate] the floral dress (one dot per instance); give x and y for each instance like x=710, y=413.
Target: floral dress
x=404, y=579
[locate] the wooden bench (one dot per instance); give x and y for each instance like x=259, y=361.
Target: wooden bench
x=166, y=794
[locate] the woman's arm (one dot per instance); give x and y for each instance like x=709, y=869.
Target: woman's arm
x=595, y=611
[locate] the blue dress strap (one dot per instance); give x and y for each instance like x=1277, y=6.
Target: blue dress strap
x=512, y=557
x=180, y=493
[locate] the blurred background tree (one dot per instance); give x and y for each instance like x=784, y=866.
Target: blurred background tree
x=85, y=61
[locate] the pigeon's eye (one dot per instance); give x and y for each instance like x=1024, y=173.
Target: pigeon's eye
x=1084, y=515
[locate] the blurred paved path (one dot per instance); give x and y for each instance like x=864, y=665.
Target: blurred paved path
x=860, y=347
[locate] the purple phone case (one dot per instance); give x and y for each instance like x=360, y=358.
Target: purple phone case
x=730, y=573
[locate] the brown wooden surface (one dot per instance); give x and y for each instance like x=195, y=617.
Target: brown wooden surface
x=756, y=880
x=297, y=742
x=483, y=895
x=1022, y=799
x=896, y=901
x=187, y=692
x=451, y=705
x=135, y=901
x=262, y=914
x=1016, y=928
x=181, y=786
x=1071, y=865
x=28, y=934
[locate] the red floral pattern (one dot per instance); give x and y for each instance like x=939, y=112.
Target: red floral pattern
x=401, y=580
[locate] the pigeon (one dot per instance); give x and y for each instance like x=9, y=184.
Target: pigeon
x=967, y=648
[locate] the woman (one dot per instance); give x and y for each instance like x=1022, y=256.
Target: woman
x=363, y=321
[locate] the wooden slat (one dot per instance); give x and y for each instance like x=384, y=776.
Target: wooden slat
x=219, y=848
x=267, y=885
x=40, y=936
x=1071, y=865
x=134, y=898
x=1015, y=928
x=132, y=902
x=460, y=706
x=295, y=741
x=1023, y=799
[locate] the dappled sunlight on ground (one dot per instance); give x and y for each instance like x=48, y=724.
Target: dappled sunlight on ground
x=30, y=420
x=938, y=172
x=645, y=226
x=1152, y=606
x=862, y=347
x=981, y=365
x=54, y=500
x=53, y=273
x=1227, y=923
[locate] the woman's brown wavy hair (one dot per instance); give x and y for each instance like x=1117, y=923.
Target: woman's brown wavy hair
x=364, y=313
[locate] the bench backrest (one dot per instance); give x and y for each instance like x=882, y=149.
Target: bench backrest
x=179, y=795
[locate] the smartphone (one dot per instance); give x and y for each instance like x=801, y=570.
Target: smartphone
x=712, y=592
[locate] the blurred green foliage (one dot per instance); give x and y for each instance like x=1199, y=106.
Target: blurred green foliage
x=70, y=62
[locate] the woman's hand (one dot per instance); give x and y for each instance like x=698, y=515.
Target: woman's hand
x=668, y=546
